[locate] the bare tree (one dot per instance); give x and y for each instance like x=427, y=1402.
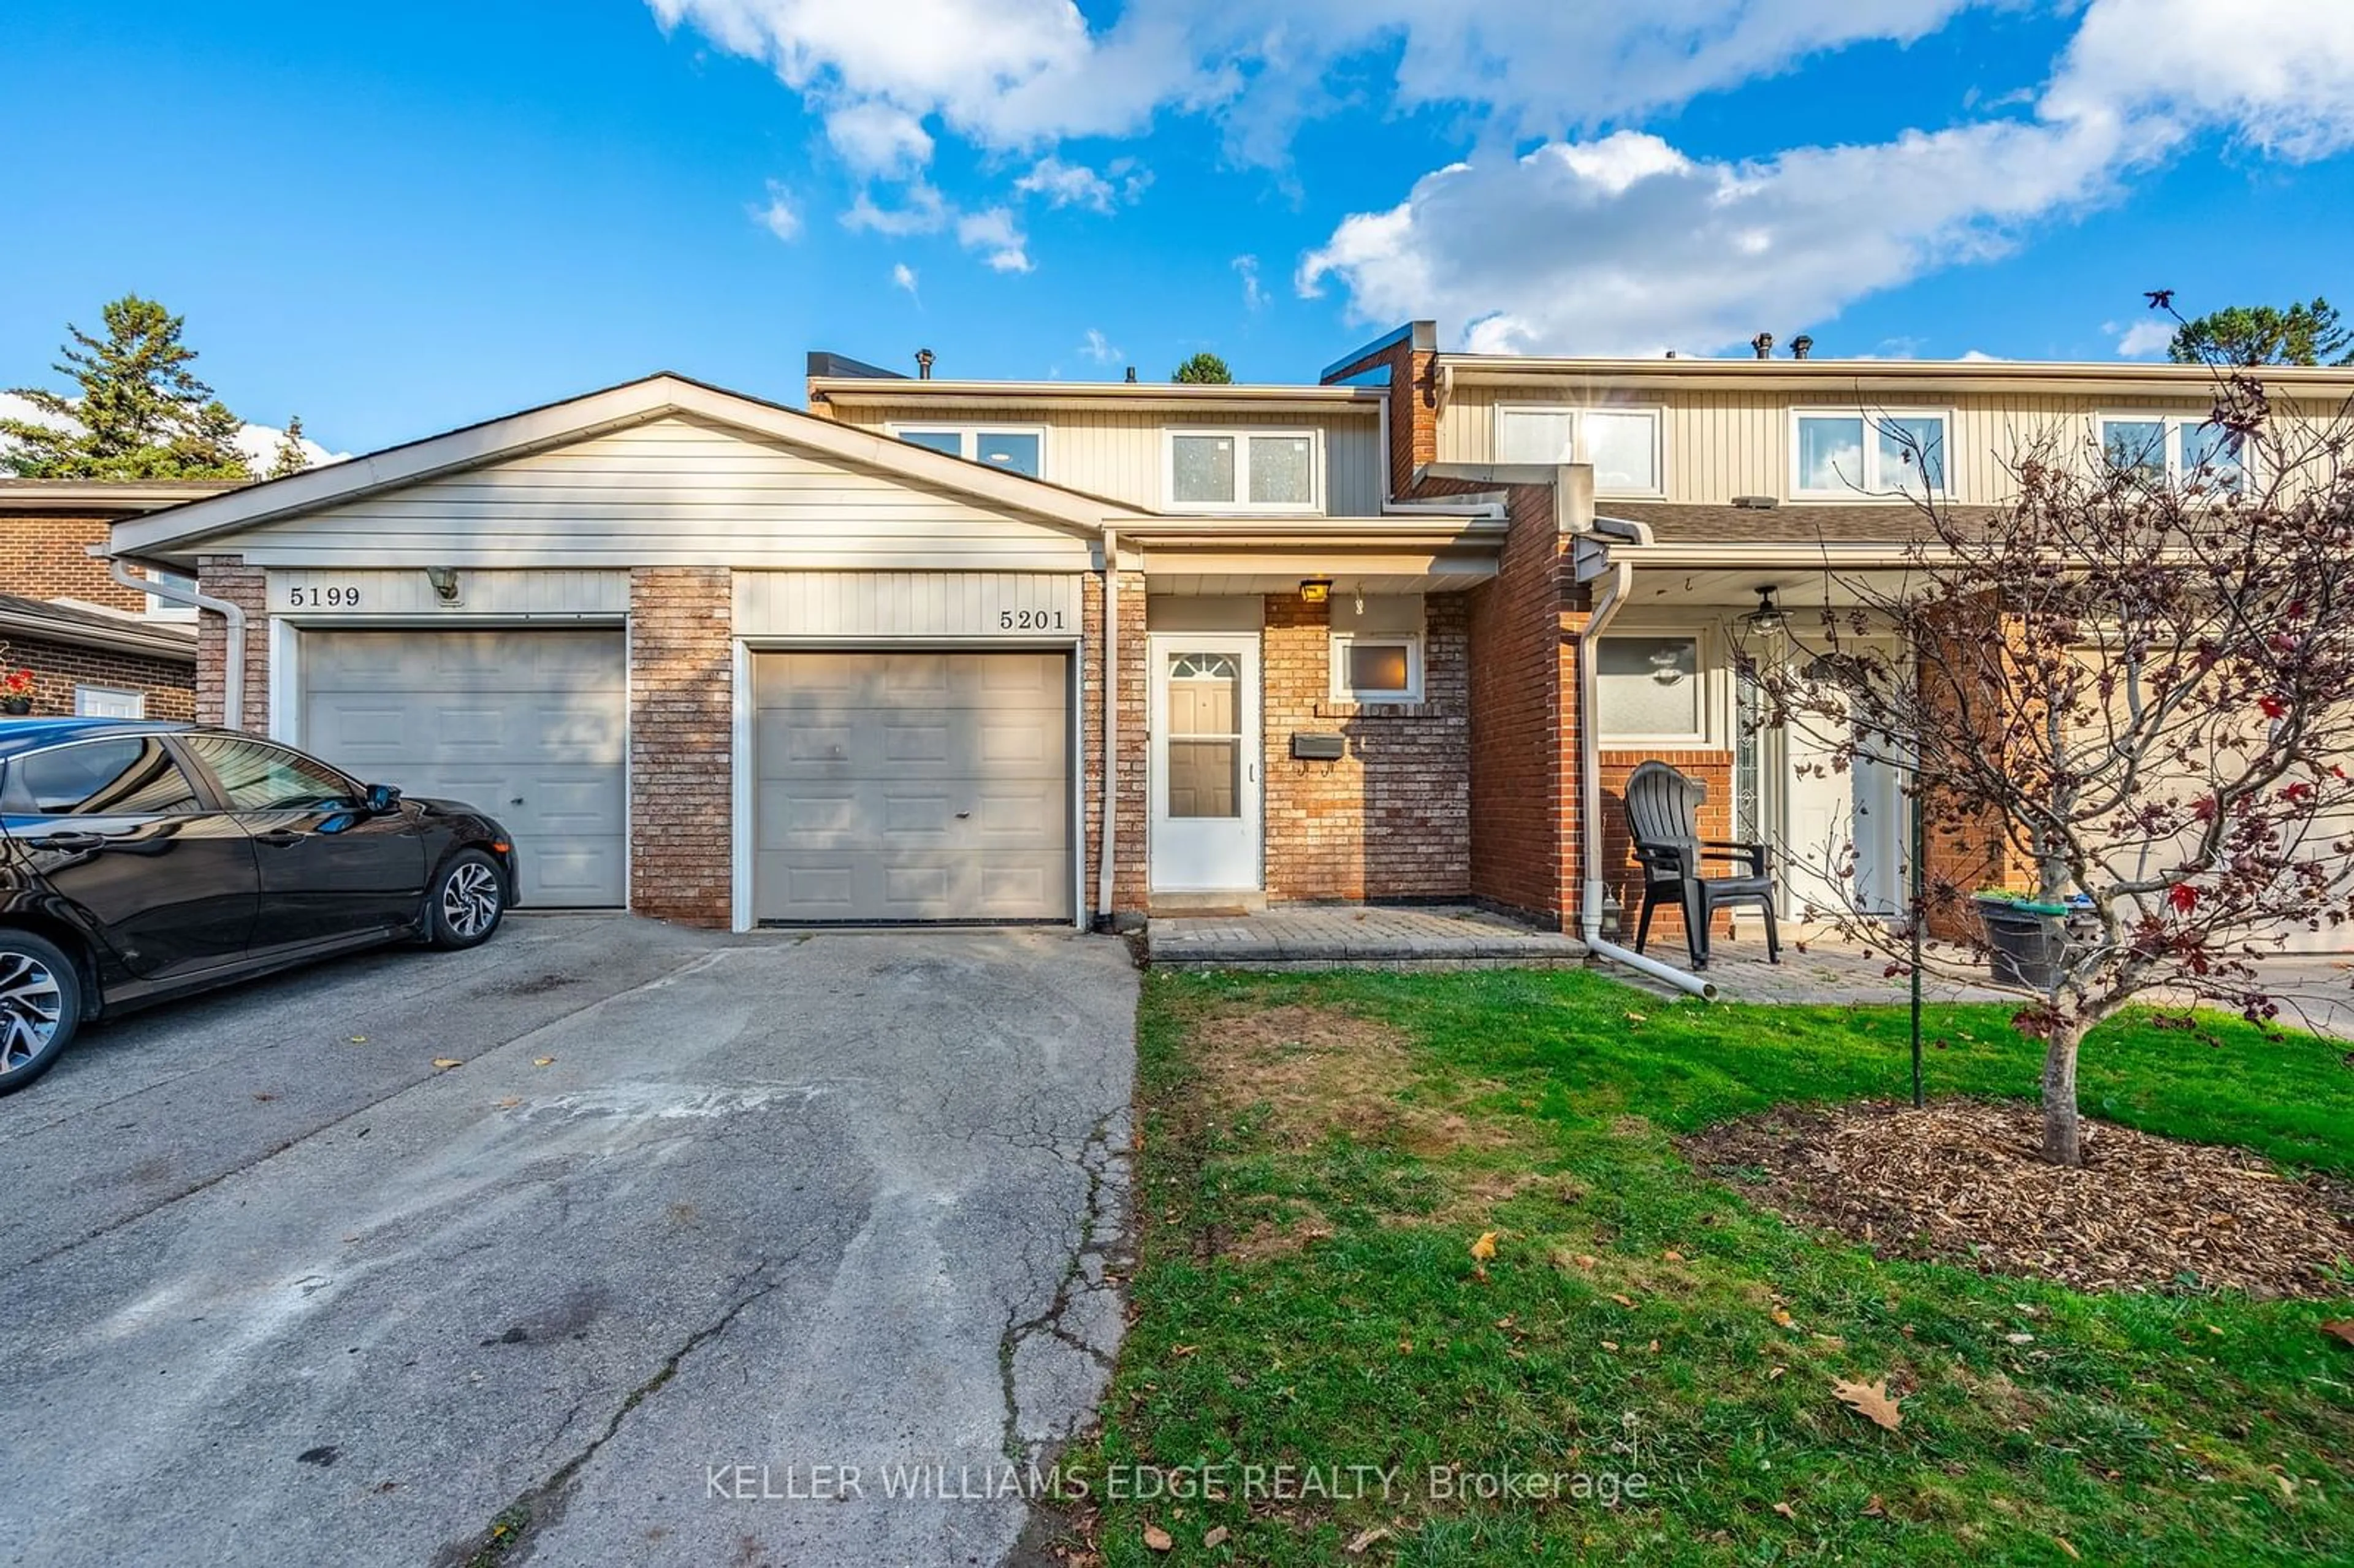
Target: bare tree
x=2128, y=693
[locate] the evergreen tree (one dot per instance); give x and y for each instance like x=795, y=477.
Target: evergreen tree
x=140, y=411
x=290, y=458
x=2262, y=334
x=1204, y=369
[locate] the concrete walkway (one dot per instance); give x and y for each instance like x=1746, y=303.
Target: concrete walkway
x=1356, y=937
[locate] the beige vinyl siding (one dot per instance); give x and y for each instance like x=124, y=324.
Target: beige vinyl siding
x=354, y=591
x=1012, y=607
x=1119, y=453
x=1724, y=444
x=674, y=491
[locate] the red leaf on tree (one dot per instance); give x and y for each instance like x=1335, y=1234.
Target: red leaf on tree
x=2183, y=897
x=2274, y=706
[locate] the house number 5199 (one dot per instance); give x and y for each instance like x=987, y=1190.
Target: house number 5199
x=1030, y=620
x=324, y=598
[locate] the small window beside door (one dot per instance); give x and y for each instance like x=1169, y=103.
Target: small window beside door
x=1376, y=667
x=1649, y=688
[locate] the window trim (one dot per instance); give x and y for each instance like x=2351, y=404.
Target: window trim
x=968, y=434
x=1657, y=413
x=1243, y=435
x=1708, y=673
x=2174, y=425
x=1869, y=488
x=162, y=609
x=1342, y=691
x=137, y=696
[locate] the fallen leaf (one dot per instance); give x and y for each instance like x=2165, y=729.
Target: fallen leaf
x=1158, y=1539
x=543, y=1061
x=359, y=1039
x=1637, y=1018
x=1609, y=1344
x=1215, y=1536
x=2062, y=1542
x=2213, y=1329
x=1875, y=1509
x=1831, y=1341
x=1405, y=1347
x=1786, y=1510
x=1870, y=1401
x=1622, y=1300
x=2021, y=1339
x=1183, y=1349
x=1585, y=1260
x=1485, y=1247
x=1673, y=1256
x=1783, y=1318
x=2340, y=1328
x=2287, y=1487
x=1773, y=1372
x=443, y=1063
x=1365, y=1537
x=1653, y=1347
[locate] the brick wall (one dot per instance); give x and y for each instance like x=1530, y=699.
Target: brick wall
x=1713, y=769
x=228, y=577
x=58, y=667
x=1132, y=832
x=682, y=738
x=1392, y=821
x=49, y=557
x=1524, y=739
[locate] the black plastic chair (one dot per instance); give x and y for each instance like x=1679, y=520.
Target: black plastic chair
x=1663, y=816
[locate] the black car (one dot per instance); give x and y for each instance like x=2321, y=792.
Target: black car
x=139, y=862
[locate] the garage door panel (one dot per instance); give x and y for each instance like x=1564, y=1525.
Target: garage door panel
x=923, y=786
x=530, y=725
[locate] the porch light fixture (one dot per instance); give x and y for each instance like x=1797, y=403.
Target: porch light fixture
x=1767, y=619
x=1315, y=591
x=445, y=583
x=1361, y=599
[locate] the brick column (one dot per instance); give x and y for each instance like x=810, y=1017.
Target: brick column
x=1131, y=830
x=681, y=744
x=1524, y=626
x=228, y=577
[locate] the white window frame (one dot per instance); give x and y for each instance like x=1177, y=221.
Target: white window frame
x=1243, y=435
x=1342, y=692
x=968, y=434
x=1578, y=412
x=162, y=609
x=1710, y=673
x=1872, y=484
x=137, y=700
x=2174, y=426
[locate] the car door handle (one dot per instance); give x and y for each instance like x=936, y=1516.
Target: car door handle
x=70, y=843
x=279, y=838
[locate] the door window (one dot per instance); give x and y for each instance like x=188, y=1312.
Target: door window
x=123, y=778
x=1205, y=741
x=258, y=776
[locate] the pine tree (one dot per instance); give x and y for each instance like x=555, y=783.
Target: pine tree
x=1204, y=369
x=2262, y=334
x=139, y=412
x=290, y=458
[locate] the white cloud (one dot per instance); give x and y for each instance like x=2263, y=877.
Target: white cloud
x=779, y=216
x=903, y=276
x=1625, y=244
x=1097, y=347
x=877, y=138
x=924, y=211
x=2143, y=338
x=1068, y=184
x=994, y=234
x=1254, y=291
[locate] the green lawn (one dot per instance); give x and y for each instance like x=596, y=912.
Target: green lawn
x=1306, y=1296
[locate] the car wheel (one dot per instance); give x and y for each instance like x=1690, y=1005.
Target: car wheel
x=40, y=1007
x=468, y=900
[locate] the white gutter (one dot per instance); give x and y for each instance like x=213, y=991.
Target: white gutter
x=1619, y=579
x=233, y=664
x=1110, y=716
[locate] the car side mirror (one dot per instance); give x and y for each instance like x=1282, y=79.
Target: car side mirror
x=382, y=798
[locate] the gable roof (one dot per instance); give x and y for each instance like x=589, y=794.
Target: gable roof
x=51, y=621
x=615, y=407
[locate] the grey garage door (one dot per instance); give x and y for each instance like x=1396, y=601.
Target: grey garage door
x=931, y=786
x=530, y=725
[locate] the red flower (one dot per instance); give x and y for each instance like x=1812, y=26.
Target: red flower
x=2274, y=706
x=2183, y=897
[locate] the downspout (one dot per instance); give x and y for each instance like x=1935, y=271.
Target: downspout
x=1110, y=717
x=1618, y=583
x=233, y=658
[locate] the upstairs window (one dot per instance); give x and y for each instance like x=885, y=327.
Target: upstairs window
x=1007, y=446
x=1847, y=455
x=2177, y=450
x=1243, y=471
x=1622, y=444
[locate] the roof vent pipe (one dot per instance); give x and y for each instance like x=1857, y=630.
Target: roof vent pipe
x=1801, y=346
x=1764, y=343
x=1131, y=375
x=924, y=364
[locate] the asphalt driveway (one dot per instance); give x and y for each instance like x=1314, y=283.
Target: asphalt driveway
x=696, y=1217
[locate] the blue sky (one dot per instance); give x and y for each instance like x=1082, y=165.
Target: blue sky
x=393, y=220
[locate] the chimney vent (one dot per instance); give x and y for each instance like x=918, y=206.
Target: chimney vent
x=1764, y=343
x=1131, y=374
x=1801, y=346
x=924, y=358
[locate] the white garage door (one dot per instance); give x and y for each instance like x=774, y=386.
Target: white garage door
x=532, y=726
x=912, y=786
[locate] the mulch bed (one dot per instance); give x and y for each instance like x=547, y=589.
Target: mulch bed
x=1960, y=1182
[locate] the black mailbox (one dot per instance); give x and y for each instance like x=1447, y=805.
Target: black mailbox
x=1308, y=748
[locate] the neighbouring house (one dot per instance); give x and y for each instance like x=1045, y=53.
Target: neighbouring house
x=93, y=646
x=1390, y=635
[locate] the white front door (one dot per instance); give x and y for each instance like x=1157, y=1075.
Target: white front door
x=1844, y=837
x=1205, y=768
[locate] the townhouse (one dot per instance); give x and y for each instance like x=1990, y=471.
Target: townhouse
x=941, y=648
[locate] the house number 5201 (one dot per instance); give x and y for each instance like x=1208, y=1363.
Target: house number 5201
x=1030, y=620
x=324, y=598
